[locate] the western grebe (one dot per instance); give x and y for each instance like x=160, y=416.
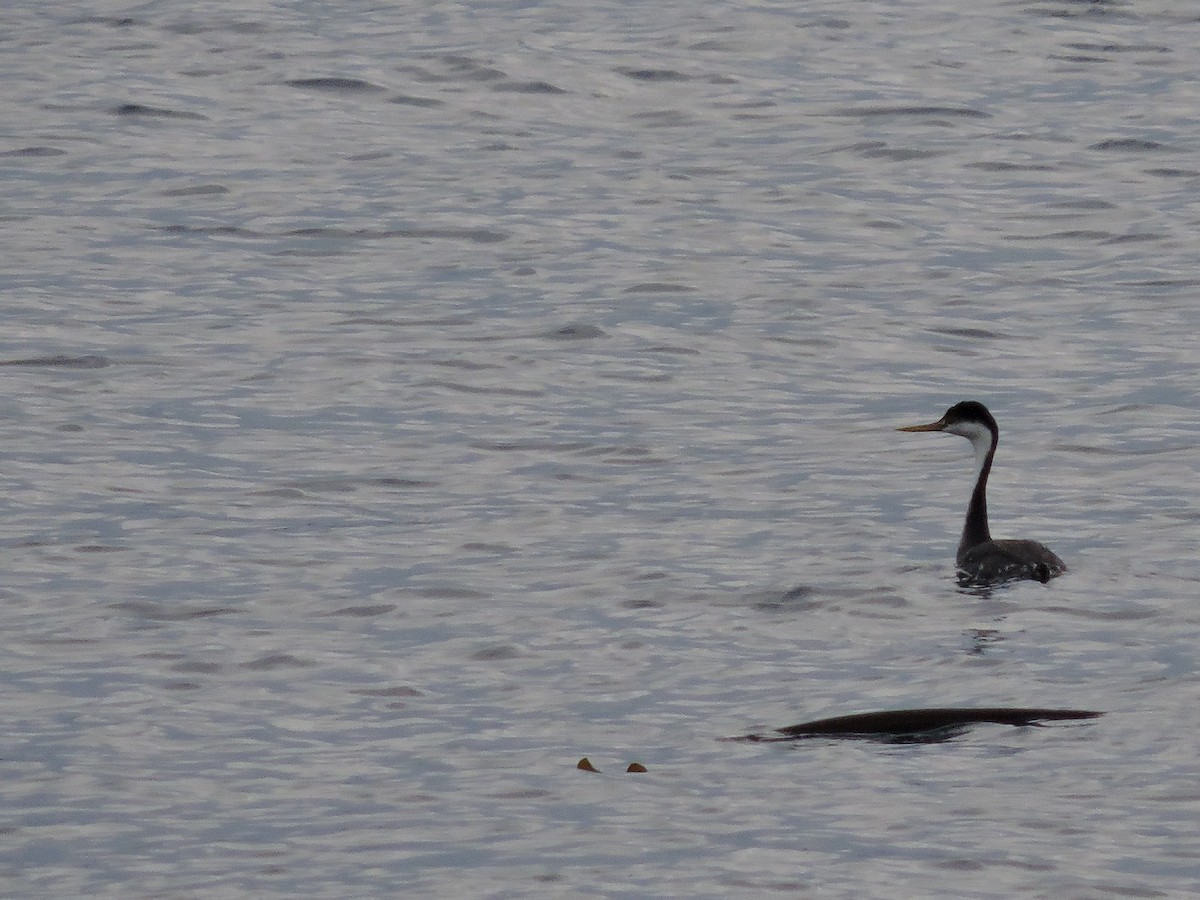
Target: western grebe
x=980, y=559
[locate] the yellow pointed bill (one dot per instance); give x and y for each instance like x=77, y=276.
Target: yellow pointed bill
x=932, y=426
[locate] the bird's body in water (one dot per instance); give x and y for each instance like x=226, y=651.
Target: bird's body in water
x=980, y=559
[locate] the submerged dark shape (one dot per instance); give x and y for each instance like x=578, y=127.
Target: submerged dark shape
x=899, y=724
x=980, y=559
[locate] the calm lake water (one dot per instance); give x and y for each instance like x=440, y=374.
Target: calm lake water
x=402, y=402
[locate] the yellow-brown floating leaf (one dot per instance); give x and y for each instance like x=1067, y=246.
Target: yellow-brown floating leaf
x=637, y=767
x=586, y=765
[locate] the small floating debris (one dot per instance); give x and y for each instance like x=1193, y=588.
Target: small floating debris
x=900, y=724
x=585, y=764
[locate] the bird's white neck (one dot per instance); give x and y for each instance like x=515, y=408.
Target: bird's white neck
x=980, y=437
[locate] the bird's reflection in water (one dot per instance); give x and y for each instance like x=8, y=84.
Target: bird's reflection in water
x=982, y=639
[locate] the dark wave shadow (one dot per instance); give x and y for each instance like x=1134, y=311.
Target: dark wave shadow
x=59, y=361
x=918, y=726
x=144, y=111
x=333, y=83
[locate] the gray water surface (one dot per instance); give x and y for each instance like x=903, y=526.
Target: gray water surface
x=402, y=402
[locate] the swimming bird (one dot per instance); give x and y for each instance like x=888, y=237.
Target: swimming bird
x=980, y=559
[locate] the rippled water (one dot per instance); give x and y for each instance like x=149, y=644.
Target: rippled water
x=404, y=402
